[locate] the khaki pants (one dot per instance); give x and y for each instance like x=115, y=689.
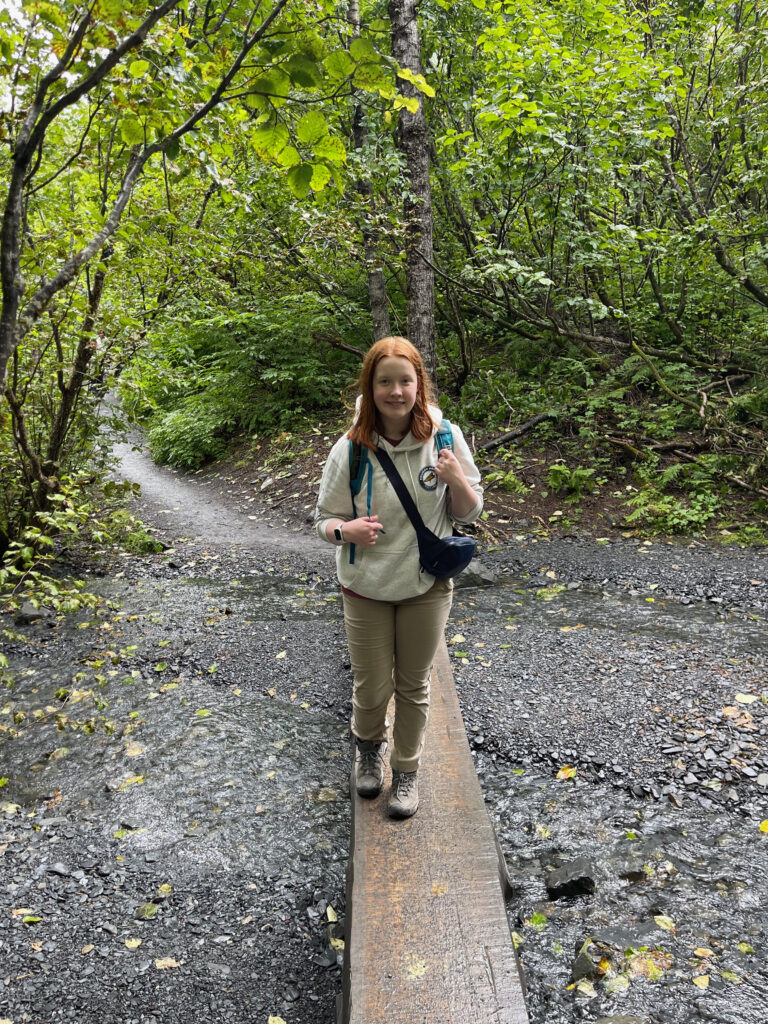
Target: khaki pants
x=391, y=647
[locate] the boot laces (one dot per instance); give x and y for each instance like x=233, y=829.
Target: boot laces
x=406, y=783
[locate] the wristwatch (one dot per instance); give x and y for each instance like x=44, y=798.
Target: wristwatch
x=338, y=534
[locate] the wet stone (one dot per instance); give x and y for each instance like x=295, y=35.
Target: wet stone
x=583, y=967
x=573, y=879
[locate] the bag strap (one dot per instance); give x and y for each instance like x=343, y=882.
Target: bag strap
x=402, y=491
x=444, y=436
x=359, y=461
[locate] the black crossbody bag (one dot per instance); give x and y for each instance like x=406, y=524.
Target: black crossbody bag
x=441, y=557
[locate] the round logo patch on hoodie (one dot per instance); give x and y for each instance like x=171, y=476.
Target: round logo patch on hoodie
x=428, y=478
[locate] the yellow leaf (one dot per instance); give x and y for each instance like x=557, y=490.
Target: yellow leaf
x=764, y=825
x=134, y=750
x=416, y=968
x=305, y=705
x=282, y=654
x=566, y=772
x=337, y=944
x=703, y=952
x=87, y=949
x=132, y=943
x=665, y=922
x=458, y=639
x=275, y=1020
x=618, y=984
x=20, y=911
x=331, y=914
x=130, y=781
x=586, y=988
x=272, y=692
x=702, y=981
x=438, y=890
x=165, y=889
x=746, y=698
x=166, y=963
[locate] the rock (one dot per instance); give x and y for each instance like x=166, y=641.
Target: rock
x=476, y=575
x=572, y=879
x=28, y=614
x=583, y=967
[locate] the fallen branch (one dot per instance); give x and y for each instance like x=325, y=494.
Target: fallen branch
x=335, y=341
x=735, y=480
x=510, y=435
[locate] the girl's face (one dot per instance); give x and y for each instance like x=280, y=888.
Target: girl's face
x=395, y=387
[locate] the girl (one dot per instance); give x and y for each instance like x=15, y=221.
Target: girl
x=394, y=612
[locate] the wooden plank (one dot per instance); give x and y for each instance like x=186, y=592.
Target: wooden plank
x=428, y=941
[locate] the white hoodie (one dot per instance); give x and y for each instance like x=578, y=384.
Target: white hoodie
x=389, y=570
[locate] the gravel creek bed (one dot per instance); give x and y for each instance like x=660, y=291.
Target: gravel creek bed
x=178, y=774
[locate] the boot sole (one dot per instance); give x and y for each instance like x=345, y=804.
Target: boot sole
x=400, y=813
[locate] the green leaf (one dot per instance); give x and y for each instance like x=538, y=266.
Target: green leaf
x=137, y=68
x=289, y=157
x=362, y=50
x=321, y=175
x=276, y=85
x=330, y=148
x=370, y=77
x=270, y=140
x=304, y=72
x=202, y=712
x=339, y=64
x=299, y=179
x=311, y=128
x=132, y=131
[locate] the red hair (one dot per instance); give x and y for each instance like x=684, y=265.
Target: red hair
x=364, y=425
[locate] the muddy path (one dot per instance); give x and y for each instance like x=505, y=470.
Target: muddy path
x=174, y=828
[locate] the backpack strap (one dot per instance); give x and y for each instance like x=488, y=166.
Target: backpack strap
x=444, y=436
x=359, y=465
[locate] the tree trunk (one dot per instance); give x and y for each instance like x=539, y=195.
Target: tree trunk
x=417, y=209
x=377, y=288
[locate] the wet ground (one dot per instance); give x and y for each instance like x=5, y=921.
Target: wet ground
x=173, y=832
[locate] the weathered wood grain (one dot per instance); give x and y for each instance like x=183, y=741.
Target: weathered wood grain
x=428, y=940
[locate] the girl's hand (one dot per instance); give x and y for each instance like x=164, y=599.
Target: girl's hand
x=449, y=469
x=363, y=531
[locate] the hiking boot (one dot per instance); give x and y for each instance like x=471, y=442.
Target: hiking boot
x=404, y=797
x=369, y=767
